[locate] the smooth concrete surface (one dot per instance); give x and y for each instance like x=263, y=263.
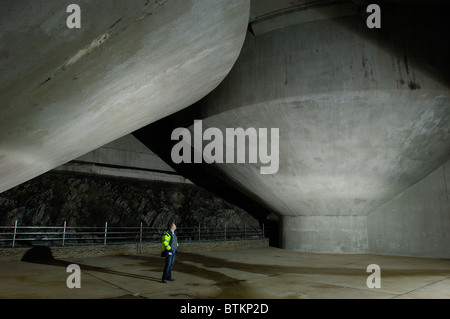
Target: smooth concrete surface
x=124, y=157
x=353, y=134
x=417, y=221
x=325, y=234
x=126, y=151
x=65, y=92
x=260, y=273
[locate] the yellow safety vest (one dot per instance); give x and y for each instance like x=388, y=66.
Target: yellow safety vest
x=166, y=241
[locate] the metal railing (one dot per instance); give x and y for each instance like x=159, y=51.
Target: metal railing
x=20, y=236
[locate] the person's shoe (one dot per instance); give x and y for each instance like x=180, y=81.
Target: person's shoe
x=163, y=281
x=171, y=279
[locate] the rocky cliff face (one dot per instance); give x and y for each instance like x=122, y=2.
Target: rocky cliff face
x=89, y=200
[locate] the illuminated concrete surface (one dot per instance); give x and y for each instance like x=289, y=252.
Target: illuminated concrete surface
x=65, y=92
x=262, y=273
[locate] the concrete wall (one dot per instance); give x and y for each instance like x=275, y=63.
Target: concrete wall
x=126, y=151
x=124, y=157
x=416, y=222
x=325, y=234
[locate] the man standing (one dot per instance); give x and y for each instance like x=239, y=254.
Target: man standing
x=169, y=248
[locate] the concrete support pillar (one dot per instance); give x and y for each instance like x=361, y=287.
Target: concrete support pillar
x=417, y=221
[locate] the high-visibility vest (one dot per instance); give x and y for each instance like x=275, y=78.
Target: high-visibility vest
x=167, y=241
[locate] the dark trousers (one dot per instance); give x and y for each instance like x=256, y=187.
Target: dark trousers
x=170, y=260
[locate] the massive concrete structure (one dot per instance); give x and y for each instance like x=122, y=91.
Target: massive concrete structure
x=363, y=114
x=364, y=119
x=65, y=92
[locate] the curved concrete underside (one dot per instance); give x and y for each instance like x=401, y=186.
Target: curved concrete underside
x=363, y=114
x=65, y=92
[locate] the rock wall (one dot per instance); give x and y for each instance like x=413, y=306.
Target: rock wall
x=91, y=200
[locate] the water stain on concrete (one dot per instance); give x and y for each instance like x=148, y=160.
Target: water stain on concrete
x=214, y=269
x=205, y=275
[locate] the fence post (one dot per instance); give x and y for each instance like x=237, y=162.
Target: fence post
x=225, y=231
x=198, y=231
x=140, y=240
x=64, y=233
x=106, y=231
x=263, y=231
x=15, y=231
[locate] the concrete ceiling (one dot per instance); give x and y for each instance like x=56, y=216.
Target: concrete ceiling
x=65, y=92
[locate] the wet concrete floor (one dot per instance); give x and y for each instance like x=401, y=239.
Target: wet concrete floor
x=263, y=273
